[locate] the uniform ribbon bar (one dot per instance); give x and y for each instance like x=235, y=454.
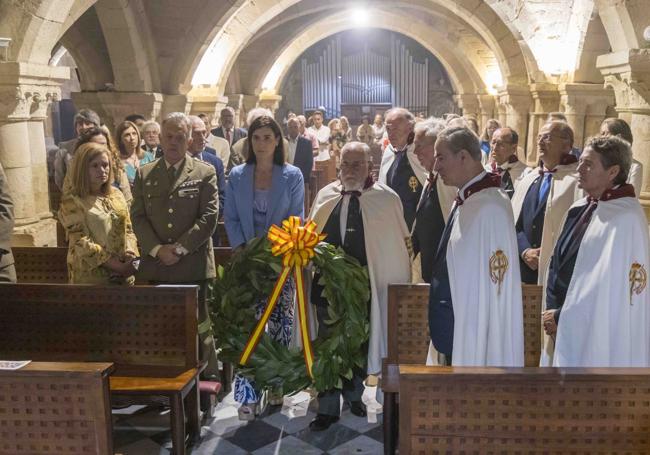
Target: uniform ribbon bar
x=295, y=243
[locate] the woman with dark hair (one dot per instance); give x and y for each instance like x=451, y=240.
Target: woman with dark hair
x=127, y=136
x=262, y=192
x=101, y=244
x=618, y=127
x=101, y=136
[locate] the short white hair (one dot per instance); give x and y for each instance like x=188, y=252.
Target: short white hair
x=402, y=112
x=150, y=125
x=179, y=119
x=355, y=145
x=431, y=126
x=256, y=113
x=195, y=119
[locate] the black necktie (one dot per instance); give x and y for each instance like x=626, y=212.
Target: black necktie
x=399, y=154
x=506, y=182
x=354, y=215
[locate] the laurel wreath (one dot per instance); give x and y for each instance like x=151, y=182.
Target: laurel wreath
x=249, y=277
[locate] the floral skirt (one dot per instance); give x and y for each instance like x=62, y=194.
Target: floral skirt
x=279, y=328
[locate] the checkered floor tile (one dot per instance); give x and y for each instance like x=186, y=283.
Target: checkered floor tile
x=145, y=431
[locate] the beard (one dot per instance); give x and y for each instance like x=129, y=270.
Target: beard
x=352, y=184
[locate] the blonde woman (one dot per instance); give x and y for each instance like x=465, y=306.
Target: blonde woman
x=102, y=247
x=128, y=140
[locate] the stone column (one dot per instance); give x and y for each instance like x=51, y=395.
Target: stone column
x=487, y=105
x=546, y=99
x=469, y=104
x=113, y=107
x=175, y=103
x=585, y=107
x=242, y=104
x=206, y=100
x=25, y=92
x=270, y=101
x=628, y=73
x=516, y=101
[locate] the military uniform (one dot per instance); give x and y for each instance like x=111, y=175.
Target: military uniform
x=178, y=206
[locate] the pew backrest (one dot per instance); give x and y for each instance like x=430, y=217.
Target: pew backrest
x=143, y=330
x=56, y=408
x=408, y=327
x=49, y=264
x=523, y=410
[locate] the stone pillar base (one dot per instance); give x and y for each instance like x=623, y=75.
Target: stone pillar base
x=38, y=233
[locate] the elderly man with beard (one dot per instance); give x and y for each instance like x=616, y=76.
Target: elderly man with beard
x=365, y=219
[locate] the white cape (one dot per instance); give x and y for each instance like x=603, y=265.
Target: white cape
x=600, y=325
x=389, y=156
x=386, y=237
x=488, y=318
x=564, y=191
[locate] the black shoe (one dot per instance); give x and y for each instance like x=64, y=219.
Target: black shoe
x=358, y=409
x=322, y=422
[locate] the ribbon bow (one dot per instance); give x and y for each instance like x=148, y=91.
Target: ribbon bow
x=295, y=243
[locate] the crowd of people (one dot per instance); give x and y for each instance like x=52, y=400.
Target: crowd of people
x=453, y=206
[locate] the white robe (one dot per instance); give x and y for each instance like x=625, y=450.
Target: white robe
x=599, y=325
x=564, y=191
x=517, y=171
x=635, y=177
x=389, y=156
x=488, y=320
x=386, y=237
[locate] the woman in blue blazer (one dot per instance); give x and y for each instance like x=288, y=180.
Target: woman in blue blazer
x=262, y=192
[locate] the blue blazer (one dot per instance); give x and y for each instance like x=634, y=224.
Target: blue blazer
x=287, y=198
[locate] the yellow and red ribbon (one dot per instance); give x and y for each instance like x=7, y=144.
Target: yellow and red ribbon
x=295, y=243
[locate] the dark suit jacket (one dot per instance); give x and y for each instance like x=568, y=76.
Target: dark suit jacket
x=304, y=158
x=529, y=228
x=209, y=155
x=7, y=270
x=157, y=152
x=237, y=134
x=561, y=267
x=183, y=212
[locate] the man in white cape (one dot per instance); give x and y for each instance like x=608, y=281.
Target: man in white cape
x=475, y=306
x=366, y=220
x=541, y=199
x=598, y=305
x=504, y=160
x=400, y=168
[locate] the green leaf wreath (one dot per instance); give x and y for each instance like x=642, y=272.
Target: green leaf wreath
x=248, y=279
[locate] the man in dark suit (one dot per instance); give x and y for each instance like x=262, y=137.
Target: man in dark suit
x=299, y=152
x=151, y=138
x=434, y=205
x=174, y=214
x=7, y=269
x=227, y=129
x=200, y=151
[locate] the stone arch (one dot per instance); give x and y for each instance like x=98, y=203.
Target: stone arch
x=624, y=22
x=463, y=76
x=250, y=17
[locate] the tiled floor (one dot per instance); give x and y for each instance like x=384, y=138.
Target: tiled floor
x=145, y=431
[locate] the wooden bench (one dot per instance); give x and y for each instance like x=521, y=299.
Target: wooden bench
x=524, y=410
x=408, y=341
x=56, y=408
x=148, y=332
x=49, y=264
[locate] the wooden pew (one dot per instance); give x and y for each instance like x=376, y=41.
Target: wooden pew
x=49, y=264
x=148, y=332
x=61, y=408
x=524, y=410
x=408, y=341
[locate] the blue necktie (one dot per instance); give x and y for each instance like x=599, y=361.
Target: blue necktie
x=544, y=187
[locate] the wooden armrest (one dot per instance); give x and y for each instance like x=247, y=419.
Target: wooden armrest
x=140, y=384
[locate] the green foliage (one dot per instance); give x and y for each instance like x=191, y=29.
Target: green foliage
x=249, y=277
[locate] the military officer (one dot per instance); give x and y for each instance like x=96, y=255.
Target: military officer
x=174, y=213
